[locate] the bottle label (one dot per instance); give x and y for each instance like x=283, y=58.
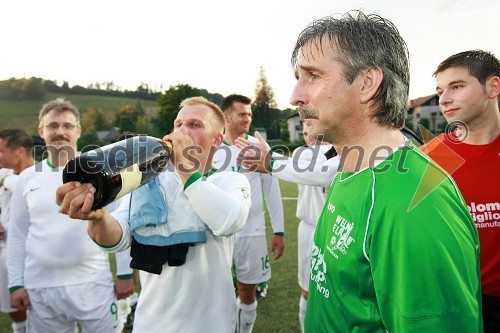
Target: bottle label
x=131, y=180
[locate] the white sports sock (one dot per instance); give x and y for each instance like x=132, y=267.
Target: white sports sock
x=246, y=317
x=302, y=311
x=19, y=327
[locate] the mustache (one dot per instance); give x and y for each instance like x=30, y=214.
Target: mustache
x=60, y=138
x=307, y=113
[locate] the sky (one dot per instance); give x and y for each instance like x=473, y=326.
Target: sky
x=217, y=45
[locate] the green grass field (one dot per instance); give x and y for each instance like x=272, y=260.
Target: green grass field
x=24, y=114
x=278, y=312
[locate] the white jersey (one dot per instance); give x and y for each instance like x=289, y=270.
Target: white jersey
x=123, y=258
x=5, y=195
x=264, y=187
x=318, y=172
x=311, y=199
x=197, y=296
x=47, y=248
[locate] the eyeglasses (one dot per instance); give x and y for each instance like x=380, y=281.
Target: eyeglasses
x=53, y=127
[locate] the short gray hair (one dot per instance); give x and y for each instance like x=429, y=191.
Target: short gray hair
x=58, y=105
x=366, y=41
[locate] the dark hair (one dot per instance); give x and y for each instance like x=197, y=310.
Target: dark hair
x=480, y=64
x=15, y=138
x=361, y=42
x=228, y=102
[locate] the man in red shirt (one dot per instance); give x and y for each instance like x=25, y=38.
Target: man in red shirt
x=468, y=85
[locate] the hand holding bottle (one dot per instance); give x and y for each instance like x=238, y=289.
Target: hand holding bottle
x=183, y=153
x=76, y=201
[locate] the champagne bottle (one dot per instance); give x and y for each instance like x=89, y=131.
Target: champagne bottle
x=119, y=168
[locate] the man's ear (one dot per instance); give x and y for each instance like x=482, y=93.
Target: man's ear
x=218, y=139
x=493, y=87
x=40, y=132
x=371, y=82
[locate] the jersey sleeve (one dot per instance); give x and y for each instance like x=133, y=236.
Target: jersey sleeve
x=122, y=257
x=315, y=172
x=121, y=215
x=10, y=182
x=19, y=224
x=223, y=204
x=123, y=263
x=272, y=195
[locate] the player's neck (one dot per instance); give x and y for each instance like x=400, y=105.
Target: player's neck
x=230, y=136
x=369, y=148
x=24, y=164
x=483, y=131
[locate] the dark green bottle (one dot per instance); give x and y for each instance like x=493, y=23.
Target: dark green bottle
x=119, y=168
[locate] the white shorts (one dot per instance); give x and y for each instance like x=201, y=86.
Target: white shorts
x=251, y=260
x=92, y=305
x=4, y=290
x=305, y=240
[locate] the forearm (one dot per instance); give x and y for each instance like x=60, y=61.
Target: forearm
x=105, y=230
x=304, y=172
x=16, y=246
x=272, y=194
x=123, y=263
x=224, y=210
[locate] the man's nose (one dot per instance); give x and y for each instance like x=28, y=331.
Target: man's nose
x=445, y=98
x=60, y=129
x=299, y=96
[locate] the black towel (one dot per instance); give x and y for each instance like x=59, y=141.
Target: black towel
x=151, y=258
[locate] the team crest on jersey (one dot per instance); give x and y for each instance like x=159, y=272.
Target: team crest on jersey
x=341, y=237
x=318, y=270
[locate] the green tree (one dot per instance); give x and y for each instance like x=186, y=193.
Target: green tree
x=33, y=89
x=264, y=94
x=94, y=119
x=264, y=108
x=169, y=103
x=126, y=118
x=88, y=140
x=426, y=123
x=285, y=134
x=65, y=87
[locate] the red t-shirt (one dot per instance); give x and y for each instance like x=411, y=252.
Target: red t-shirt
x=476, y=170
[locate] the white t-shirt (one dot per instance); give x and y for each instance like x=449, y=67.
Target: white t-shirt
x=123, y=257
x=5, y=195
x=264, y=187
x=311, y=199
x=197, y=296
x=47, y=248
x=318, y=172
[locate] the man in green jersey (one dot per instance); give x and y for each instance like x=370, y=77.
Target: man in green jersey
x=395, y=248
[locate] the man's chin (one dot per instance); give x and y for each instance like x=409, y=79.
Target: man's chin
x=59, y=145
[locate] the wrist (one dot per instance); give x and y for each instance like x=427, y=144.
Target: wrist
x=282, y=234
x=96, y=216
x=13, y=289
